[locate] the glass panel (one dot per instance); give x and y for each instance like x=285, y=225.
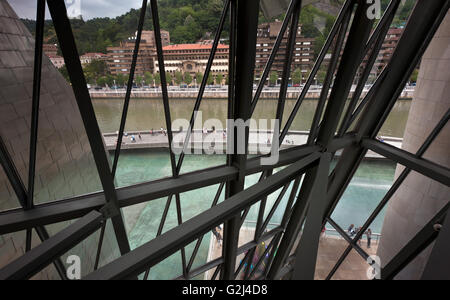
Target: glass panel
x=7, y=195
x=370, y=184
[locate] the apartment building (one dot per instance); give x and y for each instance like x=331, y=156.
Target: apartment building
x=119, y=58
x=303, y=51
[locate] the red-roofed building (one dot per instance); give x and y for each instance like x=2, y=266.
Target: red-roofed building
x=89, y=57
x=57, y=61
x=193, y=58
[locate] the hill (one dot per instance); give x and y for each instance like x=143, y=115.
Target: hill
x=190, y=20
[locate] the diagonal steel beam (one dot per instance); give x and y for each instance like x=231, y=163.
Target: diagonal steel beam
x=151, y=253
x=129, y=87
x=420, y=242
x=423, y=23
x=425, y=167
x=272, y=56
x=306, y=253
x=438, y=264
x=41, y=256
x=68, y=46
x=203, y=84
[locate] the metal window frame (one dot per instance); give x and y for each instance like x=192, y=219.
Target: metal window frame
x=314, y=204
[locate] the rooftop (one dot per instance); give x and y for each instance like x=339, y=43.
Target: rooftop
x=193, y=47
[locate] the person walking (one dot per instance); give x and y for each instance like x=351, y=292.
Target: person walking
x=217, y=235
x=356, y=233
x=369, y=237
x=351, y=230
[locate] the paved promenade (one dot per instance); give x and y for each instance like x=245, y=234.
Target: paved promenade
x=330, y=250
x=215, y=141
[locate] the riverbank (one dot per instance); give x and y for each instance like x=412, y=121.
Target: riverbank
x=219, y=94
x=200, y=142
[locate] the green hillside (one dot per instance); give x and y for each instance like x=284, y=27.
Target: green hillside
x=190, y=20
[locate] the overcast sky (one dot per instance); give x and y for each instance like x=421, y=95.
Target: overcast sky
x=89, y=8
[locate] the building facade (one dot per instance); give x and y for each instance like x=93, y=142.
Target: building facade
x=89, y=57
x=303, y=53
x=193, y=58
x=57, y=61
x=387, y=49
x=119, y=58
x=50, y=49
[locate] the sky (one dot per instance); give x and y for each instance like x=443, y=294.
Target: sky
x=89, y=8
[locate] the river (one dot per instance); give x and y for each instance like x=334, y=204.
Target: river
x=148, y=114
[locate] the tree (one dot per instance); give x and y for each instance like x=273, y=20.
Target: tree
x=138, y=80
x=187, y=78
x=148, y=78
x=109, y=80
x=178, y=78
x=121, y=79
x=210, y=80
x=273, y=78
x=169, y=78
x=321, y=76
x=157, y=79
x=199, y=77
x=297, y=76
x=219, y=79
x=102, y=81
x=414, y=76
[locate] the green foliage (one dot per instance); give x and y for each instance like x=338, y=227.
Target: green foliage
x=178, y=78
x=188, y=78
x=199, y=77
x=139, y=80
x=148, y=78
x=297, y=76
x=414, y=76
x=210, y=80
x=321, y=76
x=273, y=78
x=157, y=79
x=121, y=79
x=169, y=78
x=188, y=21
x=219, y=79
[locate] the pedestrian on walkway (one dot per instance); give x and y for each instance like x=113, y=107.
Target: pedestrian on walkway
x=351, y=230
x=369, y=237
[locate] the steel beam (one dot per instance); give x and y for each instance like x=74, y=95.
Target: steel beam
x=438, y=264
x=68, y=46
x=129, y=88
x=306, y=253
x=41, y=256
x=247, y=22
x=423, y=23
x=427, y=168
x=420, y=242
x=151, y=253
x=37, y=72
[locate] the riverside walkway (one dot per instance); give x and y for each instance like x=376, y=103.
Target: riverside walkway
x=259, y=142
x=219, y=93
